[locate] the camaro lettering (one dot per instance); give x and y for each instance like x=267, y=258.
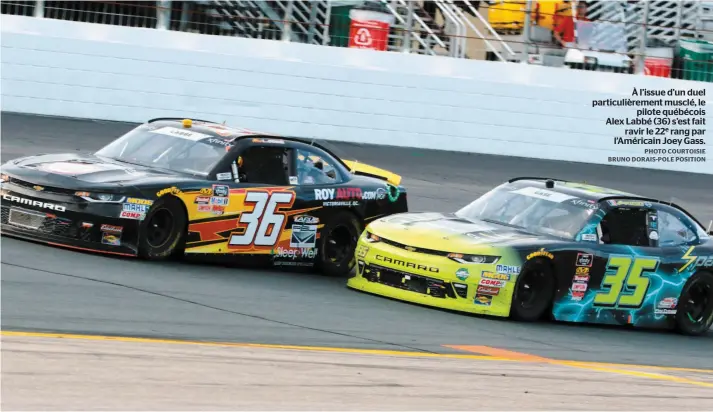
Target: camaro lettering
x=36, y=203
x=410, y=265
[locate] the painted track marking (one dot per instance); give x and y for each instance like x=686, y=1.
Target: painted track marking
x=486, y=353
x=620, y=369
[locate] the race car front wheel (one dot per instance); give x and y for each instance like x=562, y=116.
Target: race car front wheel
x=694, y=315
x=338, y=239
x=534, y=291
x=163, y=230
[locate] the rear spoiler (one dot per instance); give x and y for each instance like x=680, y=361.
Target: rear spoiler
x=363, y=169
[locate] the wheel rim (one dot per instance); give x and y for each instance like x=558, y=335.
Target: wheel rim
x=699, y=302
x=159, y=228
x=530, y=288
x=339, y=244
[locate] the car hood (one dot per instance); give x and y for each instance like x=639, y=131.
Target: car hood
x=77, y=171
x=449, y=233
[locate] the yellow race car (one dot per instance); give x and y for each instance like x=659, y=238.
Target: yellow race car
x=535, y=247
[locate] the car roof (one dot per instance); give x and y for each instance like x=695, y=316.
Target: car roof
x=581, y=190
x=590, y=192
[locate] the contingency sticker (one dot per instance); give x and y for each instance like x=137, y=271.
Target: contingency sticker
x=544, y=194
x=111, y=239
x=303, y=236
x=483, y=300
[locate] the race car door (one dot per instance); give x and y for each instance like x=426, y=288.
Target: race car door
x=613, y=284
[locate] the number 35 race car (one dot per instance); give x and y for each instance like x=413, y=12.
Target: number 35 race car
x=536, y=247
x=173, y=186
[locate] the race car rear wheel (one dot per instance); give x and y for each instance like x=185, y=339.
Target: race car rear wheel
x=338, y=239
x=534, y=291
x=694, y=315
x=163, y=231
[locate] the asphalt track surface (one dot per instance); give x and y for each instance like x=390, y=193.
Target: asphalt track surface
x=55, y=290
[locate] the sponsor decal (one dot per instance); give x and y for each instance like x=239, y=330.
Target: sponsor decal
x=494, y=283
x=540, y=253
x=35, y=203
x=362, y=250
x=110, y=239
x=497, y=276
x=138, y=201
x=131, y=215
x=294, y=180
x=73, y=168
x=462, y=274
x=220, y=201
x=306, y=219
x=224, y=176
x=132, y=207
x=589, y=237
x=217, y=210
x=582, y=271
x=275, y=141
x=349, y=193
x=587, y=204
x=347, y=204
x=579, y=287
x=300, y=253
x=409, y=265
x=221, y=190
x=111, y=228
x=510, y=270
x=378, y=194
x=577, y=296
x=171, y=190
x=695, y=262
x=665, y=311
x=303, y=236
x=585, y=260
x=204, y=208
x=581, y=278
x=483, y=300
x=654, y=235
x=631, y=203
x=668, y=303
x=206, y=191
x=292, y=263
x=202, y=200
x=487, y=290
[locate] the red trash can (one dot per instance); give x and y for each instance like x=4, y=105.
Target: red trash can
x=658, y=62
x=369, y=29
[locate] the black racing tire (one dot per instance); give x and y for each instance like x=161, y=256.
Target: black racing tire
x=694, y=314
x=337, y=242
x=534, y=291
x=163, y=231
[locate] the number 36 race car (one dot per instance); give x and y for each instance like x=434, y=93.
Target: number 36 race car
x=536, y=247
x=173, y=186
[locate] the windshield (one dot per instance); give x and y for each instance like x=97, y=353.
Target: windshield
x=539, y=211
x=171, y=148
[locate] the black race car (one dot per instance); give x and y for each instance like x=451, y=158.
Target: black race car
x=177, y=186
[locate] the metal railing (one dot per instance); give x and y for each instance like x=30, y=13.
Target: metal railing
x=442, y=27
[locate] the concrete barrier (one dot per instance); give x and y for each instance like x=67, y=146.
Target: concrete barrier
x=62, y=68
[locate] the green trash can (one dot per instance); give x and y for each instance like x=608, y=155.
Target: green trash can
x=339, y=22
x=697, y=56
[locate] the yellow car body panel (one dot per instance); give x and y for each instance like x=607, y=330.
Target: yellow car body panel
x=384, y=254
x=357, y=167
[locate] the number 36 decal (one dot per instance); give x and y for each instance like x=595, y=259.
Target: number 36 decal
x=625, y=271
x=264, y=223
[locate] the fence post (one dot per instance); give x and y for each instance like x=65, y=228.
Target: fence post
x=641, y=69
x=163, y=17
x=40, y=8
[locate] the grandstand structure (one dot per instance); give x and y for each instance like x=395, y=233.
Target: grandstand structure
x=501, y=30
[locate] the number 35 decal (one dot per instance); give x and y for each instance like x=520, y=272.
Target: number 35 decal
x=625, y=271
x=264, y=224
